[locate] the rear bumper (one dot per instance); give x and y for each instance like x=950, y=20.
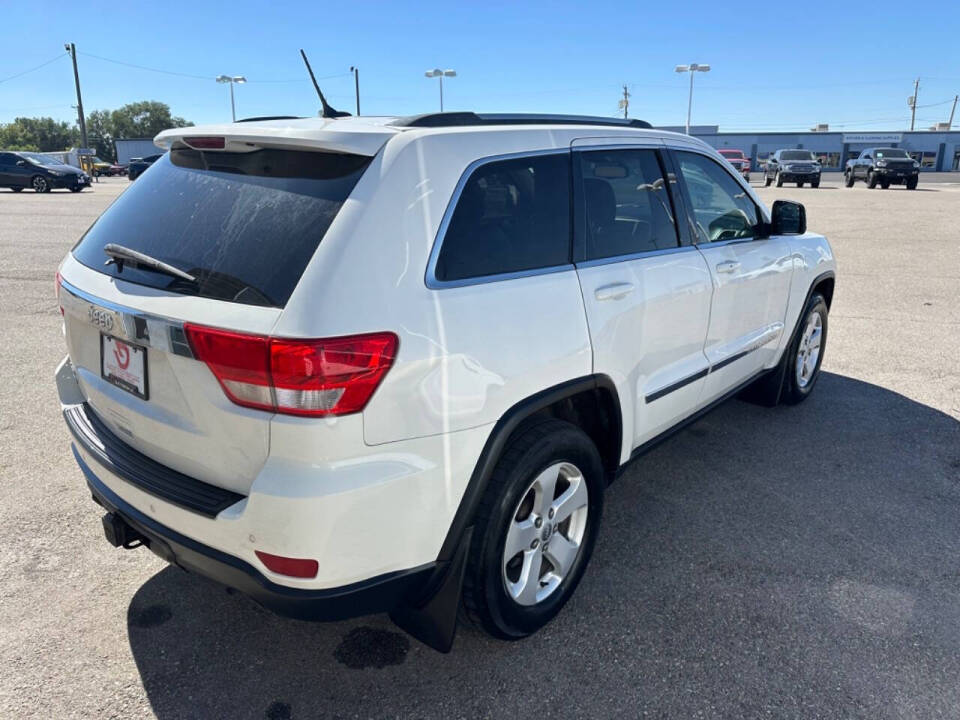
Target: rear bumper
x=379, y=594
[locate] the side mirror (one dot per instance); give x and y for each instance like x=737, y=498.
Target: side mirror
x=789, y=218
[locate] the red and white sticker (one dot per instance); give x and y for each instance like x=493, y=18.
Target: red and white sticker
x=124, y=365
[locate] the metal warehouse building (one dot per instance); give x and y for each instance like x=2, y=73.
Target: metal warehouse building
x=934, y=150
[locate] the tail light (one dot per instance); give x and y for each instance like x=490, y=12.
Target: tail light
x=332, y=376
x=205, y=143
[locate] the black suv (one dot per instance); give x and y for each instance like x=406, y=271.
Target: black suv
x=138, y=165
x=883, y=167
x=19, y=170
x=799, y=166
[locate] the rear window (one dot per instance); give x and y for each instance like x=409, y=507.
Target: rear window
x=245, y=225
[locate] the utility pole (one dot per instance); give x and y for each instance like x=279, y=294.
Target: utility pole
x=913, y=103
x=72, y=49
x=952, y=111
x=625, y=103
x=356, y=85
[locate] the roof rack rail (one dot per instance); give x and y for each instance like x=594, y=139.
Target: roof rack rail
x=270, y=117
x=463, y=119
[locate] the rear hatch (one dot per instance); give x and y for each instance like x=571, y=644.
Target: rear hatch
x=238, y=229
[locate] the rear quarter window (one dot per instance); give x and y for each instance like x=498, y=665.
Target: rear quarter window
x=244, y=224
x=512, y=215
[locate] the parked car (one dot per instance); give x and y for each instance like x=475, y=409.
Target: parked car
x=137, y=165
x=293, y=369
x=19, y=170
x=740, y=162
x=799, y=166
x=104, y=168
x=883, y=167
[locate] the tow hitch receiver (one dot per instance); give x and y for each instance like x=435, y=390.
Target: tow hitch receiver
x=120, y=534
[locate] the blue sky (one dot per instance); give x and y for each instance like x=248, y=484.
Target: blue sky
x=776, y=66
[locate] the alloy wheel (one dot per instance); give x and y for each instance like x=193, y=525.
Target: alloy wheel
x=545, y=534
x=808, y=353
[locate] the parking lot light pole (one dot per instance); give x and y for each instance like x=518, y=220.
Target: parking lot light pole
x=691, y=68
x=232, y=80
x=438, y=73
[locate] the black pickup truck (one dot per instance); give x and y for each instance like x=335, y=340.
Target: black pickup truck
x=883, y=167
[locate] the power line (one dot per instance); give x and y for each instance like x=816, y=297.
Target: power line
x=34, y=69
x=193, y=76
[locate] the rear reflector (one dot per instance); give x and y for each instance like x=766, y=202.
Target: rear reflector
x=205, y=143
x=333, y=376
x=292, y=567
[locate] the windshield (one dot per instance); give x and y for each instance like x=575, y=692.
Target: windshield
x=891, y=153
x=245, y=225
x=38, y=159
x=797, y=155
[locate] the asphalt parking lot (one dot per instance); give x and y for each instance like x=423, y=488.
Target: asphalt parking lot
x=793, y=562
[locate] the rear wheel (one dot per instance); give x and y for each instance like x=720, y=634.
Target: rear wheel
x=885, y=184
x=535, y=530
x=767, y=180
x=17, y=189
x=800, y=183
x=805, y=353
x=76, y=189
x=40, y=184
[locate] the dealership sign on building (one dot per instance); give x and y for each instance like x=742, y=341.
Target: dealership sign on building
x=876, y=138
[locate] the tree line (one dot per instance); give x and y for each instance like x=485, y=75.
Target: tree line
x=136, y=120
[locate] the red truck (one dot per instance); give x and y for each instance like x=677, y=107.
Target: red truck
x=740, y=162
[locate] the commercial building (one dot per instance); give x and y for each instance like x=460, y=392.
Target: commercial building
x=937, y=151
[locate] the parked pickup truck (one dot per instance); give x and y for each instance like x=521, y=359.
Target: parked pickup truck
x=740, y=162
x=799, y=166
x=884, y=167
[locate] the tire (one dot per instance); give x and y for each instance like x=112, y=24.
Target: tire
x=801, y=376
x=912, y=184
x=800, y=184
x=871, y=180
x=17, y=189
x=495, y=595
x=40, y=184
x=848, y=178
x=76, y=189
x=779, y=180
x=885, y=184
x=815, y=183
x=767, y=180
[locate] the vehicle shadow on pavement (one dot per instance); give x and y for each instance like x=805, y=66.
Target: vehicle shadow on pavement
x=796, y=561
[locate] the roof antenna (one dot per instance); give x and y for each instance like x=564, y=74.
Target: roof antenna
x=328, y=112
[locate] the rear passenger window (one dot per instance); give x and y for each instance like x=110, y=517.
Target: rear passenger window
x=512, y=215
x=627, y=206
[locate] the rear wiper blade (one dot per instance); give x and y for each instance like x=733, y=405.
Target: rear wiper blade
x=120, y=255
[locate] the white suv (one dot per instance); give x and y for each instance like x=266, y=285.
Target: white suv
x=376, y=364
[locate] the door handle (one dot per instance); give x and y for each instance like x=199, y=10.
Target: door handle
x=728, y=266
x=613, y=292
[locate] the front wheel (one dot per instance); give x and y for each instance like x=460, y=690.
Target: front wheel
x=535, y=530
x=848, y=178
x=872, y=180
x=800, y=183
x=767, y=180
x=885, y=184
x=805, y=353
x=779, y=180
x=912, y=184
x=17, y=189
x=40, y=184
x=815, y=183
